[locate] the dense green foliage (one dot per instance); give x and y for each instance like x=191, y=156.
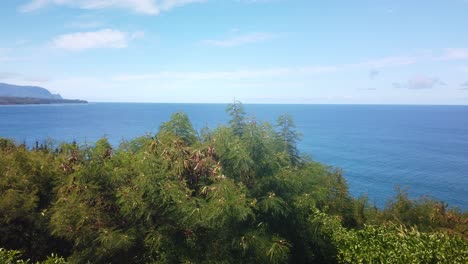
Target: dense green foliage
x=14, y=257
x=397, y=244
x=28, y=100
x=235, y=194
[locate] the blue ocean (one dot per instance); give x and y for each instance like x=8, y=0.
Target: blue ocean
x=379, y=147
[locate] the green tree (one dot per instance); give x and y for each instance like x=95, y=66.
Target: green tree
x=180, y=126
x=232, y=196
x=238, y=119
x=27, y=182
x=289, y=138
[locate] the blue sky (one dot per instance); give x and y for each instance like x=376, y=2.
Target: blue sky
x=257, y=51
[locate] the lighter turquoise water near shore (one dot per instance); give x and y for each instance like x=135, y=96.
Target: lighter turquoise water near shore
x=424, y=148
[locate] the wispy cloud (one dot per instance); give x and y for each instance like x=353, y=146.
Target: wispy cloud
x=373, y=73
x=416, y=82
x=87, y=20
x=424, y=82
x=5, y=55
x=241, y=39
x=464, y=86
x=420, y=82
x=15, y=77
x=229, y=75
x=106, y=38
x=455, y=54
x=388, y=62
x=396, y=61
x=36, y=79
x=7, y=75
x=258, y=1
x=166, y=5
x=368, y=89
x=84, y=24
x=149, y=7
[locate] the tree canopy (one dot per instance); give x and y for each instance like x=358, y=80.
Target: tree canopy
x=240, y=193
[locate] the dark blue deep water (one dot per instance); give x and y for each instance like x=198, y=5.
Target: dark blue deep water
x=424, y=148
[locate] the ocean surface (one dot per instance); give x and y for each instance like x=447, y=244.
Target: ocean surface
x=422, y=148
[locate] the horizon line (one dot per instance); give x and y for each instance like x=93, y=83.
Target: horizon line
x=276, y=103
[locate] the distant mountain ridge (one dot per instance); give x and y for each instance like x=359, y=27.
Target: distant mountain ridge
x=10, y=90
x=8, y=100
x=11, y=94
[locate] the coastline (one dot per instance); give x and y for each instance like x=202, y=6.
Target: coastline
x=36, y=101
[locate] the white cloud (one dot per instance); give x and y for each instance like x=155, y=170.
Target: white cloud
x=106, y=38
x=229, y=75
x=425, y=55
x=420, y=82
x=7, y=75
x=37, y=79
x=455, y=54
x=17, y=78
x=241, y=39
x=388, y=62
x=416, y=82
x=373, y=73
x=34, y=5
x=4, y=50
x=166, y=5
x=317, y=69
x=424, y=82
x=5, y=55
x=150, y=7
x=84, y=24
x=137, y=35
x=367, y=89
x=257, y=1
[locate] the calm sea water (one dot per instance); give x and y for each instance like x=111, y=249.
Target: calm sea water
x=424, y=148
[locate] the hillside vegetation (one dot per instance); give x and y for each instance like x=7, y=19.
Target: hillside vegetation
x=240, y=193
x=10, y=90
x=26, y=101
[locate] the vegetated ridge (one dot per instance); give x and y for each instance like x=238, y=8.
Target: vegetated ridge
x=15, y=94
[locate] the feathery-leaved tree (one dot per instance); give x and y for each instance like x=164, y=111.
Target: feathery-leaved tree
x=289, y=138
x=240, y=194
x=238, y=117
x=180, y=126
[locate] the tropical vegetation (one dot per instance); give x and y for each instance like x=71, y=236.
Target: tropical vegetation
x=240, y=193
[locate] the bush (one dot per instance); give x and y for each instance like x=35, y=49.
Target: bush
x=237, y=194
